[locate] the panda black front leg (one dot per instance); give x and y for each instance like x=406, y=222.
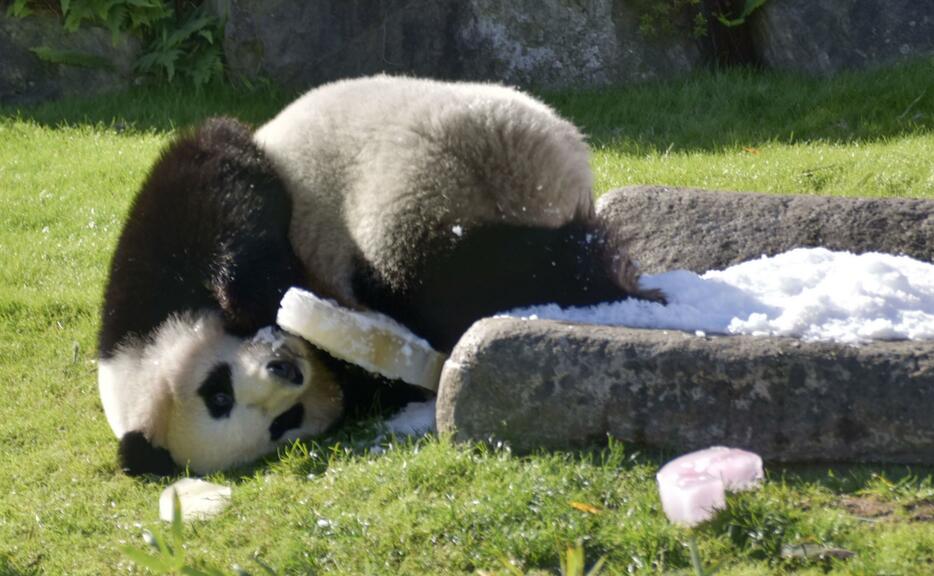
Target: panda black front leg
x=137, y=456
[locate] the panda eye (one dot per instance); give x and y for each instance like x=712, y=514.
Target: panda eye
x=285, y=370
x=217, y=392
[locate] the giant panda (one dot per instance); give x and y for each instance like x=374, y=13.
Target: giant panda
x=435, y=203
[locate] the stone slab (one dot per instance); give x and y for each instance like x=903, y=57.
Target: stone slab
x=699, y=230
x=543, y=384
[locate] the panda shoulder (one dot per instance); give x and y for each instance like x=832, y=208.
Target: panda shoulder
x=371, y=106
x=337, y=140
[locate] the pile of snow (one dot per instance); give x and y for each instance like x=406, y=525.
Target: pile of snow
x=808, y=293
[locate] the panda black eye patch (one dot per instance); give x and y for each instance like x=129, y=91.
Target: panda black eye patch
x=217, y=392
x=291, y=418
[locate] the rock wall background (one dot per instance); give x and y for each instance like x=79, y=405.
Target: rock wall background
x=550, y=43
x=553, y=43
x=826, y=36
x=25, y=78
x=530, y=43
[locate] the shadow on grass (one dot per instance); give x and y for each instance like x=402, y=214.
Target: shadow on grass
x=742, y=108
x=156, y=108
x=362, y=439
x=709, y=111
x=838, y=477
x=8, y=568
x=881, y=479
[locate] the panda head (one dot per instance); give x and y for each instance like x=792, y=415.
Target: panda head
x=194, y=396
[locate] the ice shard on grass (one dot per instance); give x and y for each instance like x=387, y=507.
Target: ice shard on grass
x=693, y=487
x=199, y=500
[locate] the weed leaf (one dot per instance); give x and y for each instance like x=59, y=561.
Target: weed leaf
x=156, y=564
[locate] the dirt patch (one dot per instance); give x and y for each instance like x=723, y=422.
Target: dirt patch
x=921, y=511
x=867, y=507
x=872, y=508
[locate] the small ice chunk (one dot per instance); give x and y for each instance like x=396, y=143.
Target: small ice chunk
x=200, y=500
x=692, y=487
x=270, y=336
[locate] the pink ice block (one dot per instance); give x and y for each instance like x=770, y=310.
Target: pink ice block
x=691, y=499
x=693, y=486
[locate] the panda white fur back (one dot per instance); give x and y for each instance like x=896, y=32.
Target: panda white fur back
x=372, y=163
x=434, y=203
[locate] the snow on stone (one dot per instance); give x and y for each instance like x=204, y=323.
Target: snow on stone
x=808, y=293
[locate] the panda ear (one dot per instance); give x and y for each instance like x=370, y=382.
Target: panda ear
x=138, y=456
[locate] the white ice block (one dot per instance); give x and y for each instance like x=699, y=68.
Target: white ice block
x=370, y=340
x=200, y=500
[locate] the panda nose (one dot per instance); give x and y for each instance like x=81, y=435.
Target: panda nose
x=286, y=370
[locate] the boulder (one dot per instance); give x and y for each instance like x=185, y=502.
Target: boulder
x=95, y=63
x=700, y=230
x=825, y=36
x=542, y=384
x=544, y=43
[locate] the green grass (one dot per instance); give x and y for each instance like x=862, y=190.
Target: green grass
x=67, y=173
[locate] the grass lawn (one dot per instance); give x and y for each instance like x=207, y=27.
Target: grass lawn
x=67, y=174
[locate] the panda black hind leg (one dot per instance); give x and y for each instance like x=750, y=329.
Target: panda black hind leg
x=489, y=268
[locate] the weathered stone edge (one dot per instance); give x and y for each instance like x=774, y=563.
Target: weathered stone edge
x=684, y=228
x=677, y=391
